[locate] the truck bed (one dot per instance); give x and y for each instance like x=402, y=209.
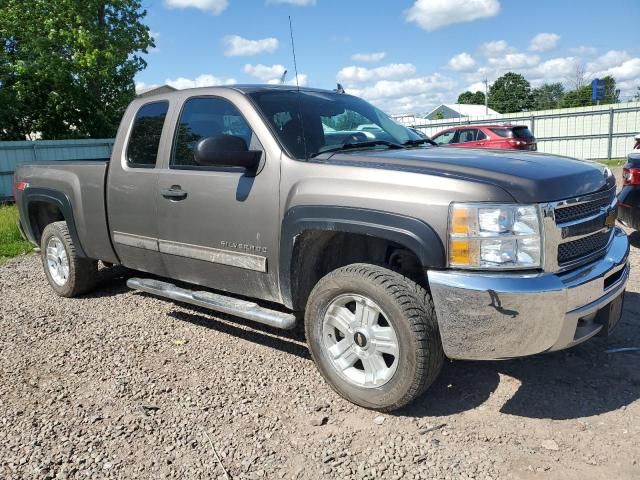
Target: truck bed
x=81, y=183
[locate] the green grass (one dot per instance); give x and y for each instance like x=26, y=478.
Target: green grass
x=614, y=162
x=11, y=243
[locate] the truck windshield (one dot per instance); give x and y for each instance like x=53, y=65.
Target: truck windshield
x=310, y=122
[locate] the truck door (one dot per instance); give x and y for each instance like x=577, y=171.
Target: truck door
x=132, y=186
x=218, y=226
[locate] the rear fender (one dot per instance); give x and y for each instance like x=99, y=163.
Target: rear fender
x=60, y=201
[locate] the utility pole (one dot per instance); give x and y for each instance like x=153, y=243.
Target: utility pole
x=486, y=97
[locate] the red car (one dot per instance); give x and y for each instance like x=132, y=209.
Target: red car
x=517, y=137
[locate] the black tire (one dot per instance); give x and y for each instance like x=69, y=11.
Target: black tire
x=83, y=272
x=410, y=311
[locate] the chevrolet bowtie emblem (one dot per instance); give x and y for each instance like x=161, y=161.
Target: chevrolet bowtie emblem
x=610, y=219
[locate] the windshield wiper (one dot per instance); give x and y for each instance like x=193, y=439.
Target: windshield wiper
x=352, y=145
x=420, y=141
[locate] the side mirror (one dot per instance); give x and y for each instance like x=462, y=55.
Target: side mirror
x=226, y=151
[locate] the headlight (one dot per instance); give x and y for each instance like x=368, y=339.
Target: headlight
x=494, y=236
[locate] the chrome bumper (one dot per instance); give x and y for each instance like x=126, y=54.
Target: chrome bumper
x=484, y=316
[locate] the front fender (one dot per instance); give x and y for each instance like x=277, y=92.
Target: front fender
x=411, y=233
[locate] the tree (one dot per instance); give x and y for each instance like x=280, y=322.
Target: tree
x=547, y=96
x=583, y=97
x=470, y=98
x=579, y=76
x=611, y=93
x=577, y=98
x=67, y=68
x=510, y=93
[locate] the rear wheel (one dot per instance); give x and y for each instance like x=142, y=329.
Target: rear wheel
x=373, y=335
x=68, y=274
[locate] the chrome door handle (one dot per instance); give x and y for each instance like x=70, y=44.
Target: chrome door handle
x=174, y=193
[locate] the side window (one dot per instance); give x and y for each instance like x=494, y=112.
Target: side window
x=142, y=150
x=481, y=135
x=502, y=132
x=445, y=138
x=204, y=117
x=468, y=135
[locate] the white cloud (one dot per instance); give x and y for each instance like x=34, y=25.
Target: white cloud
x=297, y=3
x=433, y=14
x=554, y=70
x=205, y=80
x=543, y=42
x=584, y=50
x=608, y=60
x=368, y=57
x=475, y=87
x=142, y=86
x=302, y=80
x=237, y=46
x=628, y=70
x=462, y=62
x=495, y=48
x=385, y=89
x=514, y=61
x=272, y=74
x=407, y=94
x=353, y=74
x=265, y=73
x=214, y=6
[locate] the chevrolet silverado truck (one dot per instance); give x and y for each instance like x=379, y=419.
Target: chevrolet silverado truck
x=271, y=204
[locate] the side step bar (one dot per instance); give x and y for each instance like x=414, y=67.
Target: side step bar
x=219, y=303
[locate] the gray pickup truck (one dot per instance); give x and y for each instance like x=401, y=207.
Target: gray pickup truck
x=282, y=204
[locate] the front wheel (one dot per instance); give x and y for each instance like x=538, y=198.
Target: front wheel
x=68, y=274
x=374, y=336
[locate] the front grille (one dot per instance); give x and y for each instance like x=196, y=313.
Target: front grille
x=583, y=247
x=582, y=210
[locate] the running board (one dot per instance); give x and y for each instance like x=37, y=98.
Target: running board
x=219, y=303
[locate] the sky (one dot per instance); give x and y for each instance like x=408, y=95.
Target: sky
x=404, y=56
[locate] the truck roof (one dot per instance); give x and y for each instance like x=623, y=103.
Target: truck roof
x=242, y=88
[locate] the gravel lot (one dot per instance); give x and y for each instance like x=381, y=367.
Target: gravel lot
x=123, y=385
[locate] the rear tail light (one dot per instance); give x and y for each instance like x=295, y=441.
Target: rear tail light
x=631, y=176
x=517, y=143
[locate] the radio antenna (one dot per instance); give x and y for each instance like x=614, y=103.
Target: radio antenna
x=293, y=51
x=295, y=68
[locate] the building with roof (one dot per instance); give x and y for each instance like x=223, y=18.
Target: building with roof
x=457, y=110
x=150, y=91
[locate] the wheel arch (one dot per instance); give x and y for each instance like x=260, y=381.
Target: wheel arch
x=36, y=220
x=317, y=225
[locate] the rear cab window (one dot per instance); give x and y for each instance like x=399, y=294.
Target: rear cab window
x=144, y=141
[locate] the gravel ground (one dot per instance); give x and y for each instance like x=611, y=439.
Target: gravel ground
x=119, y=384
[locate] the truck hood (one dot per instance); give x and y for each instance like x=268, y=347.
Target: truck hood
x=528, y=177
